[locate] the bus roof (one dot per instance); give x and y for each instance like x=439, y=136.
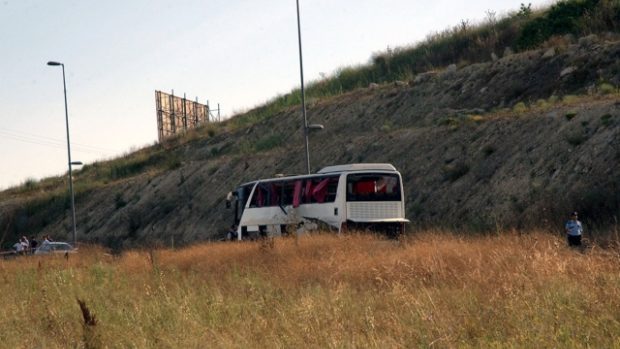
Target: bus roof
x=358, y=167
x=332, y=169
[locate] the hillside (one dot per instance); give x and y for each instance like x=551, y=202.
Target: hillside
x=517, y=141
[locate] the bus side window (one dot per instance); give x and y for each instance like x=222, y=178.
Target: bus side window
x=288, y=192
x=274, y=194
x=297, y=193
x=325, y=190
x=307, y=192
x=332, y=189
x=258, y=199
x=320, y=191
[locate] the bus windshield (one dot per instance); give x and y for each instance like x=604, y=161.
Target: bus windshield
x=373, y=187
x=243, y=194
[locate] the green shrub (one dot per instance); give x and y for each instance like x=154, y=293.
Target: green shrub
x=487, y=150
x=541, y=103
x=452, y=172
x=125, y=169
x=553, y=99
x=475, y=118
x=29, y=185
x=525, y=11
x=268, y=142
x=173, y=162
x=606, y=88
x=571, y=115
x=519, y=108
x=570, y=99
x=449, y=121
x=119, y=202
x=606, y=119
x=245, y=147
x=564, y=17
x=386, y=127
x=576, y=138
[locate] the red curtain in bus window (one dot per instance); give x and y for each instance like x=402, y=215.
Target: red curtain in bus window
x=275, y=190
x=260, y=199
x=297, y=194
x=364, y=188
x=308, y=191
x=320, y=191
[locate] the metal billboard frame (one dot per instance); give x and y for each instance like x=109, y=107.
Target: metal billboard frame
x=177, y=115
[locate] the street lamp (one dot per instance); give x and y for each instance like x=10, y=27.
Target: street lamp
x=315, y=127
x=64, y=85
x=303, y=93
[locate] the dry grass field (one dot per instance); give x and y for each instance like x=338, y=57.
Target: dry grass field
x=433, y=290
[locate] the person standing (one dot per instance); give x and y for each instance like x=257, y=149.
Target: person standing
x=18, y=247
x=574, y=229
x=25, y=244
x=232, y=233
x=33, y=244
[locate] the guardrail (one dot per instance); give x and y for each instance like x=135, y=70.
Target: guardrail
x=8, y=254
x=12, y=254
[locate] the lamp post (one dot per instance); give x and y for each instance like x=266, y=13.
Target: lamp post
x=307, y=127
x=303, y=94
x=64, y=85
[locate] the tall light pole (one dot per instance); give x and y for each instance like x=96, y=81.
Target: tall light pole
x=303, y=93
x=64, y=85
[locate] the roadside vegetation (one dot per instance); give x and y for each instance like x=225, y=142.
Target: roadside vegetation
x=434, y=289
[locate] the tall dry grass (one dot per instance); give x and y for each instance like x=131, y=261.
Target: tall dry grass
x=432, y=290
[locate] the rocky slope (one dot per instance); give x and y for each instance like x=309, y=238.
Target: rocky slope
x=516, y=142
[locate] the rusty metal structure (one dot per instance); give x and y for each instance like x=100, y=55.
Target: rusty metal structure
x=176, y=115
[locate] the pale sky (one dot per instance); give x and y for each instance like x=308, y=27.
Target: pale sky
x=238, y=53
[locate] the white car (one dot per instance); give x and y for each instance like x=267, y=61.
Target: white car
x=55, y=248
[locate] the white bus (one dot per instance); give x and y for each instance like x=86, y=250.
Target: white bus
x=339, y=198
